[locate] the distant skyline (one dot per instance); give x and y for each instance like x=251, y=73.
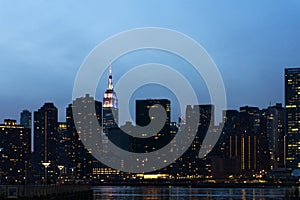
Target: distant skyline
x=42, y=45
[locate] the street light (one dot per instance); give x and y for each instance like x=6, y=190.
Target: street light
x=46, y=165
x=72, y=169
x=60, y=167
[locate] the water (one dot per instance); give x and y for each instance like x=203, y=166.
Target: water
x=164, y=192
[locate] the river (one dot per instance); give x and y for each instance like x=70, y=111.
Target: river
x=174, y=192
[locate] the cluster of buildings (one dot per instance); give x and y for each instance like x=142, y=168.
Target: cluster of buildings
x=254, y=143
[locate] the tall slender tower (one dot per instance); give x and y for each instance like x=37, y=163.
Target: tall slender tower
x=45, y=140
x=110, y=106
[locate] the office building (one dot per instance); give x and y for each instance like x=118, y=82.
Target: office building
x=15, y=145
x=292, y=106
x=225, y=157
x=276, y=135
x=45, y=142
x=83, y=119
x=143, y=118
x=189, y=164
x=25, y=119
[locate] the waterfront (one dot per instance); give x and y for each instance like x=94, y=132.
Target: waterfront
x=165, y=192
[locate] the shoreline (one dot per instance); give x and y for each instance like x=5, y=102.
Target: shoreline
x=197, y=185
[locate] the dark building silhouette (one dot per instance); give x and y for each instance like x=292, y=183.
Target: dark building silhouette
x=276, y=135
x=25, y=118
x=263, y=148
x=244, y=143
x=292, y=106
x=231, y=145
x=64, y=142
x=120, y=137
x=15, y=145
x=189, y=164
x=143, y=118
x=249, y=118
x=225, y=158
x=45, y=141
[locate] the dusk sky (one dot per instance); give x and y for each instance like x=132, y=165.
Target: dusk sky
x=43, y=43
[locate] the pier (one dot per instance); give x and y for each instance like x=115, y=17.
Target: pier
x=45, y=192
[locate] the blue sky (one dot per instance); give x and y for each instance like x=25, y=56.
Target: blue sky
x=43, y=43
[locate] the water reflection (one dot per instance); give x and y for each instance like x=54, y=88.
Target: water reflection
x=153, y=193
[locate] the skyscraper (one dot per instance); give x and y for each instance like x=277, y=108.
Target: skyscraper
x=64, y=142
x=83, y=109
x=25, y=118
x=45, y=139
x=244, y=143
x=253, y=140
x=110, y=106
x=292, y=106
x=276, y=135
x=189, y=164
x=144, y=117
x=226, y=154
x=15, y=144
x=200, y=166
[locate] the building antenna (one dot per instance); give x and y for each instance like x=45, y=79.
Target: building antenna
x=110, y=68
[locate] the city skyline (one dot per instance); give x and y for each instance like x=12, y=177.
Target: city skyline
x=149, y=99
x=258, y=144
x=38, y=63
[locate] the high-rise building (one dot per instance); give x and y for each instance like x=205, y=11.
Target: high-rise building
x=276, y=135
x=249, y=118
x=25, y=118
x=230, y=134
x=263, y=148
x=244, y=143
x=64, y=142
x=226, y=154
x=110, y=106
x=189, y=164
x=15, y=145
x=292, y=106
x=83, y=124
x=45, y=141
x=144, y=117
x=254, y=152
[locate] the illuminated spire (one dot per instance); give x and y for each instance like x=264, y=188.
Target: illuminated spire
x=110, y=83
x=110, y=98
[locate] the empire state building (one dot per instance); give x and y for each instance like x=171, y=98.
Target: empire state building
x=110, y=106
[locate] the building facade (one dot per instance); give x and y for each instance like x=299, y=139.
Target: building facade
x=25, y=119
x=162, y=135
x=292, y=106
x=83, y=119
x=197, y=120
x=15, y=150
x=276, y=135
x=45, y=142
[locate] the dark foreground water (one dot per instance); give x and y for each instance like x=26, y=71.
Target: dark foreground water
x=145, y=192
